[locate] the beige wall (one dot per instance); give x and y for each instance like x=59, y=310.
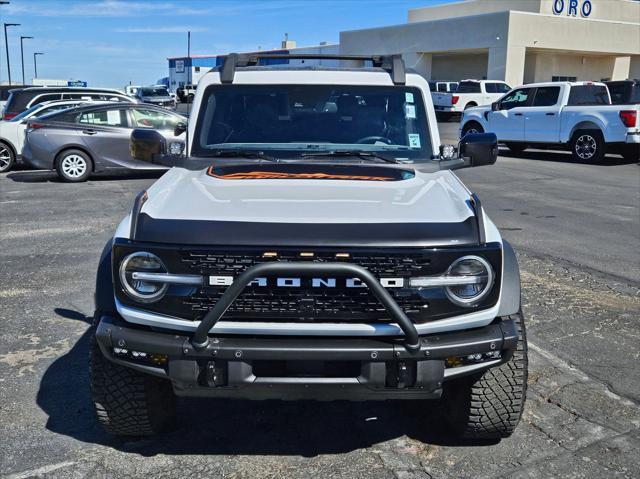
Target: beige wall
x=541, y=66
x=458, y=67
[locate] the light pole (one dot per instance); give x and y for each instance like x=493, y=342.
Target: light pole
x=3, y=2
x=22, y=54
x=6, y=44
x=35, y=64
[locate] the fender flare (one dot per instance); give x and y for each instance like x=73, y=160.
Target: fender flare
x=104, y=294
x=510, y=299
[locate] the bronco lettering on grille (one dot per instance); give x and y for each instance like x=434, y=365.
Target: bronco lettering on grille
x=307, y=282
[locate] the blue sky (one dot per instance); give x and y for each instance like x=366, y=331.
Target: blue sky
x=112, y=42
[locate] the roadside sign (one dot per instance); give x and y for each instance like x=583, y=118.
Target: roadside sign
x=77, y=83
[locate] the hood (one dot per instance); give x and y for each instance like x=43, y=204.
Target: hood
x=307, y=200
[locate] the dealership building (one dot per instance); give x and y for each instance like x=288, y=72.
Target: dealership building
x=518, y=41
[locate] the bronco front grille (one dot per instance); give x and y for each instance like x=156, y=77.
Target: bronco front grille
x=381, y=265
x=306, y=303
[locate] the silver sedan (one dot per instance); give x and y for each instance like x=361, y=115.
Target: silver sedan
x=88, y=139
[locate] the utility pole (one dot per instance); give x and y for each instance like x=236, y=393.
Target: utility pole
x=35, y=64
x=6, y=44
x=3, y=2
x=22, y=55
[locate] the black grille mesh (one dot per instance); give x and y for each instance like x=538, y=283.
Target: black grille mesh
x=339, y=304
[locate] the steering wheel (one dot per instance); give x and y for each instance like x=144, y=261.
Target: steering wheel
x=373, y=139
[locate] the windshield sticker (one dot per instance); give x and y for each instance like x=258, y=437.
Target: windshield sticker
x=408, y=97
x=414, y=140
x=409, y=111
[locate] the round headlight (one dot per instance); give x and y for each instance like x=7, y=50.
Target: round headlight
x=480, y=275
x=143, y=291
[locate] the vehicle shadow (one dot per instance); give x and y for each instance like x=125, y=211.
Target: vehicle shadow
x=223, y=426
x=48, y=176
x=565, y=157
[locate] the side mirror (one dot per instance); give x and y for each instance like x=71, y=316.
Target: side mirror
x=495, y=106
x=146, y=145
x=180, y=128
x=480, y=148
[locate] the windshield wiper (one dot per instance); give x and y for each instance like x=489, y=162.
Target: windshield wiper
x=249, y=154
x=366, y=155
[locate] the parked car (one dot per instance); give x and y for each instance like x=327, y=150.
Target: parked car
x=358, y=267
x=156, y=95
x=443, y=86
x=93, y=138
x=131, y=90
x=23, y=99
x=5, y=91
x=186, y=93
x=469, y=93
x=576, y=115
x=12, y=131
x=624, y=92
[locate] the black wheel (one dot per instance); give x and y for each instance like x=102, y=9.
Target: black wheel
x=469, y=105
x=588, y=145
x=489, y=405
x=129, y=403
x=516, y=148
x=7, y=157
x=472, y=127
x=190, y=98
x=73, y=166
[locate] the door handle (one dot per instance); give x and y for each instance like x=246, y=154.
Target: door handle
x=89, y=132
x=550, y=114
x=517, y=114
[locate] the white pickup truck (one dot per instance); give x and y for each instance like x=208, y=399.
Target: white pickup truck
x=469, y=93
x=578, y=115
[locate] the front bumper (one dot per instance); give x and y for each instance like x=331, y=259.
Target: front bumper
x=306, y=368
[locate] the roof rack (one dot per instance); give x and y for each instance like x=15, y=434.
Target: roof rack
x=393, y=63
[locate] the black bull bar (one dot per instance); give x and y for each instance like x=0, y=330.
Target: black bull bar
x=200, y=338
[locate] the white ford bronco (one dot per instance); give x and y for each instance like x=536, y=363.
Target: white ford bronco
x=313, y=243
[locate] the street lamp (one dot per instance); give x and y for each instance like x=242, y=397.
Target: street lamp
x=6, y=44
x=35, y=64
x=3, y=3
x=22, y=54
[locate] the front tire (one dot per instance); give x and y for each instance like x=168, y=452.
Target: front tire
x=73, y=166
x=489, y=405
x=588, y=146
x=472, y=127
x=129, y=403
x=7, y=157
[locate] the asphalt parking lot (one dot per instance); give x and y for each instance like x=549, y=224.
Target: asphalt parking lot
x=576, y=229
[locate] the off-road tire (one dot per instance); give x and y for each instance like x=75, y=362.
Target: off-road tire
x=470, y=127
x=488, y=406
x=583, y=142
x=129, y=403
x=516, y=148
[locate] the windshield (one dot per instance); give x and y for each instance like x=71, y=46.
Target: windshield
x=291, y=120
x=159, y=91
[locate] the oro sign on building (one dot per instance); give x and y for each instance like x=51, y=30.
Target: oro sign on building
x=572, y=8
